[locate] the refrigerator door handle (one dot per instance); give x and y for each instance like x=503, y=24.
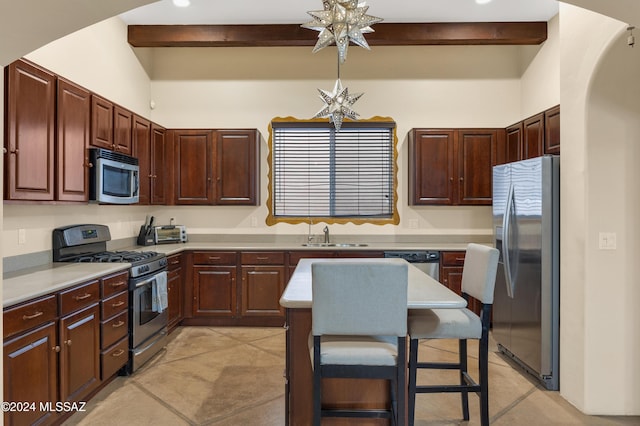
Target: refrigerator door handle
x=506, y=232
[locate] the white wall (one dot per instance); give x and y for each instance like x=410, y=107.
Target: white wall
x=541, y=78
x=416, y=86
x=600, y=343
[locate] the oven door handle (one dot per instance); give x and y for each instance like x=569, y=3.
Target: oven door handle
x=145, y=282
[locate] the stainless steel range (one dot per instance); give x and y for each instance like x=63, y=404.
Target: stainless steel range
x=147, y=284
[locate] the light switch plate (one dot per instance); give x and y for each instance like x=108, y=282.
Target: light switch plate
x=607, y=241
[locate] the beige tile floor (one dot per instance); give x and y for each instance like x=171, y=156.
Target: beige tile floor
x=232, y=376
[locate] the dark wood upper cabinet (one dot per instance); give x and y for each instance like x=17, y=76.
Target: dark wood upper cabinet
x=237, y=168
x=533, y=136
x=514, y=142
x=452, y=166
x=101, y=122
x=431, y=166
x=122, y=125
x=141, y=145
x=537, y=135
x=73, y=127
x=30, y=130
x=161, y=167
x=552, y=130
x=193, y=161
x=476, y=157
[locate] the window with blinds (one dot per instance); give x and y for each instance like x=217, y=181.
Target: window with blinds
x=317, y=172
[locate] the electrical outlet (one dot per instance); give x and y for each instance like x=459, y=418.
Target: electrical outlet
x=607, y=241
x=22, y=236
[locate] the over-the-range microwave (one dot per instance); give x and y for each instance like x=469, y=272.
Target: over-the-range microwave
x=114, y=177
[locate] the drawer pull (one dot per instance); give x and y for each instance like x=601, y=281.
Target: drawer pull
x=459, y=259
x=117, y=324
x=117, y=304
x=85, y=296
x=177, y=262
x=262, y=258
x=118, y=284
x=118, y=353
x=214, y=257
x=30, y=317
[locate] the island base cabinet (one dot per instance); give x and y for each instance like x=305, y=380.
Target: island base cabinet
x=31, y=374
x=337, y=393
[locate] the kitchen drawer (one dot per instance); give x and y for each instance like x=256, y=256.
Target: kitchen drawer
x=295, y=256
x=114, y=329
x=214, y=258
x=79, y=297
x=29, y=315
x=115, y=304
x=453, y=258
x=174, y=261
x=114, y=284
x=262, y=258
x=114, y=357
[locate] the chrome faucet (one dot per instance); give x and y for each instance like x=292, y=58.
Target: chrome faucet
x=326, y=234
x=309, y=236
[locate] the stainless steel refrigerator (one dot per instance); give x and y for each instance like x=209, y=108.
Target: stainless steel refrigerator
x=526, y=223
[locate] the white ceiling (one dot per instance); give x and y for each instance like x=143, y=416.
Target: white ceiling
x=294, y=11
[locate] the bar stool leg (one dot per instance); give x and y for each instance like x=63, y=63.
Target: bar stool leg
x=462, y=350
x=413, y=362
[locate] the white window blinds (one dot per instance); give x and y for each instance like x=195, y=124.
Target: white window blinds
x=318, y=172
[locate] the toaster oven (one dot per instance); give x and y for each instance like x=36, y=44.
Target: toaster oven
x=170, y=234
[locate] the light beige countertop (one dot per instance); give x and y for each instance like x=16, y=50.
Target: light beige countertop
x=423, y=293
x=25, y=284
x=55, y=277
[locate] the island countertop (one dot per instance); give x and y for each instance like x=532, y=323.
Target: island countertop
x=423, y=293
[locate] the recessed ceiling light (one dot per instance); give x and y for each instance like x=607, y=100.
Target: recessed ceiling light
x=483, y=1
x=181, y=3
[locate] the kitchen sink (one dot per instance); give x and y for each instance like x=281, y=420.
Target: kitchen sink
x=334, y=245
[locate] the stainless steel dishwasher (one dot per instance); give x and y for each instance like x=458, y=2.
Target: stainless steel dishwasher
x=426, y=260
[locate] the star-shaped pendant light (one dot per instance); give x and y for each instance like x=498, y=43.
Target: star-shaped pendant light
x=341, y=21
x=338, y=105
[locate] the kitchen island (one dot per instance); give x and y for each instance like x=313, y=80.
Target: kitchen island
x=423, y=293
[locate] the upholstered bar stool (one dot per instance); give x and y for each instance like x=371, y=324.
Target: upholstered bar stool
x=359, y=329
x=478, y=280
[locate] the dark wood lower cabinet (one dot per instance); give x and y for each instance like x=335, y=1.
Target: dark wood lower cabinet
x=52, y=348
x=79, y=353
x=31, y=374
x=214, y=291
x=175, y=284
x=262, y=287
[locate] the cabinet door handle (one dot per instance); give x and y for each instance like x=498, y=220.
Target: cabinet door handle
x=118, y=284
x=35, y=315
x=117, y=324
x=118, y=353
x=85, y=296
x=14, y=151
x=56, y=348
x=88, y=164
x=117, y=305
x=67, y=342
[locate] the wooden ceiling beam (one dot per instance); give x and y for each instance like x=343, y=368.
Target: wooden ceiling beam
x=386, y=34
